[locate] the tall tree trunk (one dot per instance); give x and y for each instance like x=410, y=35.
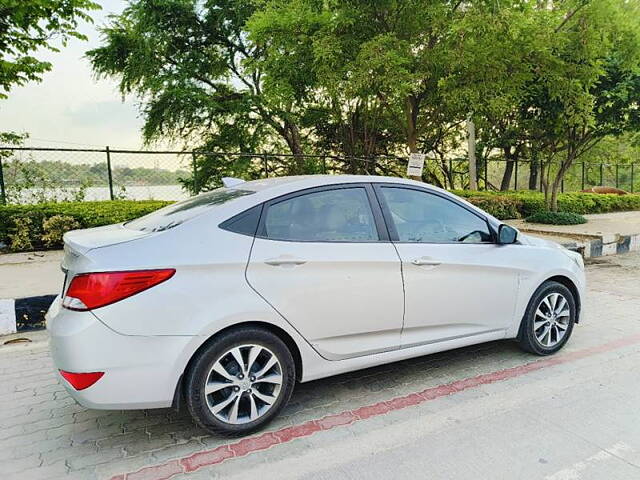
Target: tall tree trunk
x=533, y=171
x=294, y=141
x=508, y=168
x=411, y=118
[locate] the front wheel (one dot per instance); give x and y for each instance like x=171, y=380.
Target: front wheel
x=548, y=320
x=240, y=381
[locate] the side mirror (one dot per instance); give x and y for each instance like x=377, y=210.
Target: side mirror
x=507, y=234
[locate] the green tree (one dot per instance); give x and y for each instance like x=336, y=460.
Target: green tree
x=27, y=26
x=588, y=88
x=193, y=68
x=375, y=64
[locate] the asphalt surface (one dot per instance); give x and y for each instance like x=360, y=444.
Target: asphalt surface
x=483, y=412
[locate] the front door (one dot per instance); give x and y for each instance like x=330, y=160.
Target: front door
x=458, y=282
x=323, y=260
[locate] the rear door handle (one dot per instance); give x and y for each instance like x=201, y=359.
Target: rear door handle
x=425, y=261
x=278, y=261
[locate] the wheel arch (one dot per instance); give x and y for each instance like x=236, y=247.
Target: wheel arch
x=567, y=282
x=270, y=327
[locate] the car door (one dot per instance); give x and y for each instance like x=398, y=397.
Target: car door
x=458, y=282
x=322, y=258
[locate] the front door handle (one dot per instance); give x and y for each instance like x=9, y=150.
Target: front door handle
x=284, y=260
x=425, y=261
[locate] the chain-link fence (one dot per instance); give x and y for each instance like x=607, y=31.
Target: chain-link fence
x=33, y=175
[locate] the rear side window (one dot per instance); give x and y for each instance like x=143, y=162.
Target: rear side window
x=341, y=215
x=177, y=213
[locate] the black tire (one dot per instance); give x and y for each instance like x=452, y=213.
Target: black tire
x=200, y=367
x=527, y=338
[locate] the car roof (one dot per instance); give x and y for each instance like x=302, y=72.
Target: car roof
x=297, y=182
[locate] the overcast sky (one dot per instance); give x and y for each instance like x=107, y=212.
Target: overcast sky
x=69, y=107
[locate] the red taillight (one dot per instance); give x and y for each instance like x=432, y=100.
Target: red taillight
x=80, y=381
x=92, y=290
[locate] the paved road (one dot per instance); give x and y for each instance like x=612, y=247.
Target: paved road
x=484, y=412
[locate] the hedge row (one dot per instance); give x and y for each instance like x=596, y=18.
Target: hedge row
x=34, y=227
x=24, y=224
x=505, y=205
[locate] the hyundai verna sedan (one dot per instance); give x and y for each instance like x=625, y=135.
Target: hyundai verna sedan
x=225, y=300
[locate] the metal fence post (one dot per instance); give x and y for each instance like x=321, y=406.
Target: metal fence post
x=109, y=173
x=194, y=166
x=632, y=177
x=601, y=174
x=266, y=165
x=3, y=193
x=617, y=176
x=515, y=187
x=582, y=176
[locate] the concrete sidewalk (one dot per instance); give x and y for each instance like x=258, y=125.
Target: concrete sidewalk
x=30, y=274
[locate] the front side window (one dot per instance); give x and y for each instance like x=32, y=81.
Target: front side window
x=341, y=215
x=426, y=218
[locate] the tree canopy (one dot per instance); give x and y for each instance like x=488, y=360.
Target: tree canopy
x=28, y=26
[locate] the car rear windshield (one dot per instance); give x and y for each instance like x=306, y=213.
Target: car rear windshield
x=177, y=213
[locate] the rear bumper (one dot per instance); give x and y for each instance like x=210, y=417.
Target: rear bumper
x=139, y=371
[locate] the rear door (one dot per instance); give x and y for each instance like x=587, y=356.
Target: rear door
x=323, y=259
x=458, y=281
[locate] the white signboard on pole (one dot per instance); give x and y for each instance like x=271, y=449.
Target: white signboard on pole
x=415, y=165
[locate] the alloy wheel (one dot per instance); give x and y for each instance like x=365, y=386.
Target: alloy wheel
x=552, y=319
x=243, y=384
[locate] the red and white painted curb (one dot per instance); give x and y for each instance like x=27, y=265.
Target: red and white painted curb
x=246, y=446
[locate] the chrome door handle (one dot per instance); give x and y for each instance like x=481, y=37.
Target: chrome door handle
x=284, y=261
x=425, y=261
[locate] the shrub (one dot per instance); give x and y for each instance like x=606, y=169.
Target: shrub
x=85, y=214
x=21, y=237
x=556, y=218
x=55, y=227
x=529, y=203
x=500, y=206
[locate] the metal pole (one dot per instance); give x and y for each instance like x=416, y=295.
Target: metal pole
x=632, y=177
x=515, y=187
x=109, y=173
x=582, y=176
x=617, y=182
x=451, y=173
x=601, y=174
x=194, y=165
x=324, y=165
x=3, y=193
x=266, y=165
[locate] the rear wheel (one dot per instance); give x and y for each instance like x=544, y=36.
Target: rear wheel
x=548, y=320
x=240, y=381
